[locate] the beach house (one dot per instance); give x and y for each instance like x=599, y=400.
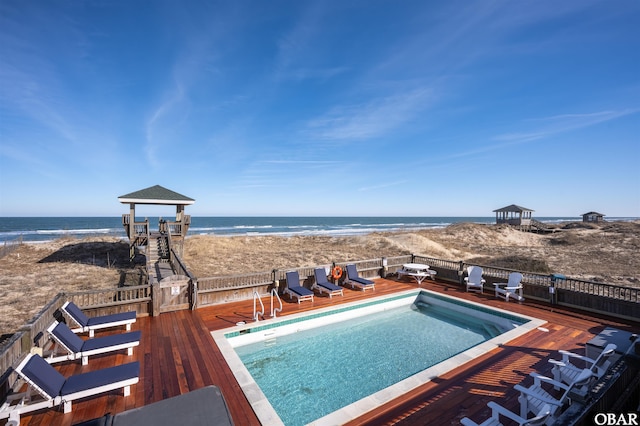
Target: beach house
x=593, y=217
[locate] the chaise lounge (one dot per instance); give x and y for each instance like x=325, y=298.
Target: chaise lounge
x=295, y=290
x=96, y=323
x=76, y=348
x=55, y=390
x=323, y=285
x=355, y=281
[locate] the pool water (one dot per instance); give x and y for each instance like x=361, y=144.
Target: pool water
x=311, y=373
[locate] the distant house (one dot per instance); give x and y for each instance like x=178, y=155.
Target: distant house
x=514, y=215
x=593, y=217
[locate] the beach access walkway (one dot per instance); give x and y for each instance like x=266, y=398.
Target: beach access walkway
x=177, y=354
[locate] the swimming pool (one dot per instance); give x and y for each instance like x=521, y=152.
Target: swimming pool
x=334, y=364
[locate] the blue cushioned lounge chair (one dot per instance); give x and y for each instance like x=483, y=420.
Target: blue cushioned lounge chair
x=97, y=323
x=355, y=281
x=294, y=289
x=76, y=348
x=323, y=285
x=55, y=390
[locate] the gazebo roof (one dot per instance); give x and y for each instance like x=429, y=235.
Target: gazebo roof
x=155, y=195
x=593, y=214
x=513, y=208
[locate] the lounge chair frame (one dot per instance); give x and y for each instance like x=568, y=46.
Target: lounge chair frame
x=295, y=290
x=354, y=280
x=90, y=325
x=121, y=377
x=76, y=348
x=323, y=285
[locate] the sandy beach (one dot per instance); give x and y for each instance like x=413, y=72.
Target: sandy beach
x=33, y=274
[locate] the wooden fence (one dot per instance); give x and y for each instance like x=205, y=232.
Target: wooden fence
x=608, y=299
x=9, y=246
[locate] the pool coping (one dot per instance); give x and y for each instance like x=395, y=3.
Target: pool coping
x=267, y=414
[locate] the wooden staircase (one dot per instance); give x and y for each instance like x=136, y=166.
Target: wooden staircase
x=158, y=253
x=537, y=226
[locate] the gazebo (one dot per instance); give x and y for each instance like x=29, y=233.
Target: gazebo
x=593, y=217
x=139, y=232
x=514, y=215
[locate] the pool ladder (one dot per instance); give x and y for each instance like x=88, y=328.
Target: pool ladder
x=256, y=314
x=256, y=298
x=274, y=293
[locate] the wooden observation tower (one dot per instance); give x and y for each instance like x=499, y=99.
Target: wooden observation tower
x=169, y=234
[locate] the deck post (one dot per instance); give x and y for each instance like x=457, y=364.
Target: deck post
x=156, y=296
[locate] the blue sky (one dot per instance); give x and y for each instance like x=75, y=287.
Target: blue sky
x=401, y=108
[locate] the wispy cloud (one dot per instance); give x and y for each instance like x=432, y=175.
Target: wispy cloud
x=550, y=126
x=305, y=162
x=164, y=117
x=382, y=186
x=371, y=119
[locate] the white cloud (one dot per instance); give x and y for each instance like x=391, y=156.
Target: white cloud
x=552, y=125
x=372, y=119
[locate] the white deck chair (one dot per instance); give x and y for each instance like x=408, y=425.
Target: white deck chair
x=474, y=280
x=566, y=371
x=47, y=388
x=511, y=289
x=97, y=323
x=535, y=398
x=498, y=410
x=76, y=348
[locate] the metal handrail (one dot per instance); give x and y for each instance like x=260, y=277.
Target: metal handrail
x=274, y=292
x=256, y=314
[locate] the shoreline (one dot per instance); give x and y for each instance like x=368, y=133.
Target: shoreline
x=51, y=228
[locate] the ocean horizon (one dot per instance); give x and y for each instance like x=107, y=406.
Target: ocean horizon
x=41, y=229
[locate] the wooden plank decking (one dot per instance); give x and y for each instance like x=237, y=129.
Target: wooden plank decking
x=177, y=354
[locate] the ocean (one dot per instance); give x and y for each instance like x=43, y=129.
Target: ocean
x=39, y=229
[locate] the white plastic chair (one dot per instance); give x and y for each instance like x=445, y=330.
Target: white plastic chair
x=510, y=289
x=498, y=410
x=474, y=280
x=567, y=372
x=535, y=398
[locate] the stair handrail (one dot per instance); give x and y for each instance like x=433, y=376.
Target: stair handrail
x=274, y=292
x=256, y=314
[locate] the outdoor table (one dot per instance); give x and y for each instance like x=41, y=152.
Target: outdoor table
x=418, y=271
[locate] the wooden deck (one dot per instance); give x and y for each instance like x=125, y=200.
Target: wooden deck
x=177, y=354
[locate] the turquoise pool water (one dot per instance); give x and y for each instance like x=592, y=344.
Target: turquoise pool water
x=308, y=374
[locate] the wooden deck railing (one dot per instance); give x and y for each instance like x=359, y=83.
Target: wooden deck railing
x=609, y=299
